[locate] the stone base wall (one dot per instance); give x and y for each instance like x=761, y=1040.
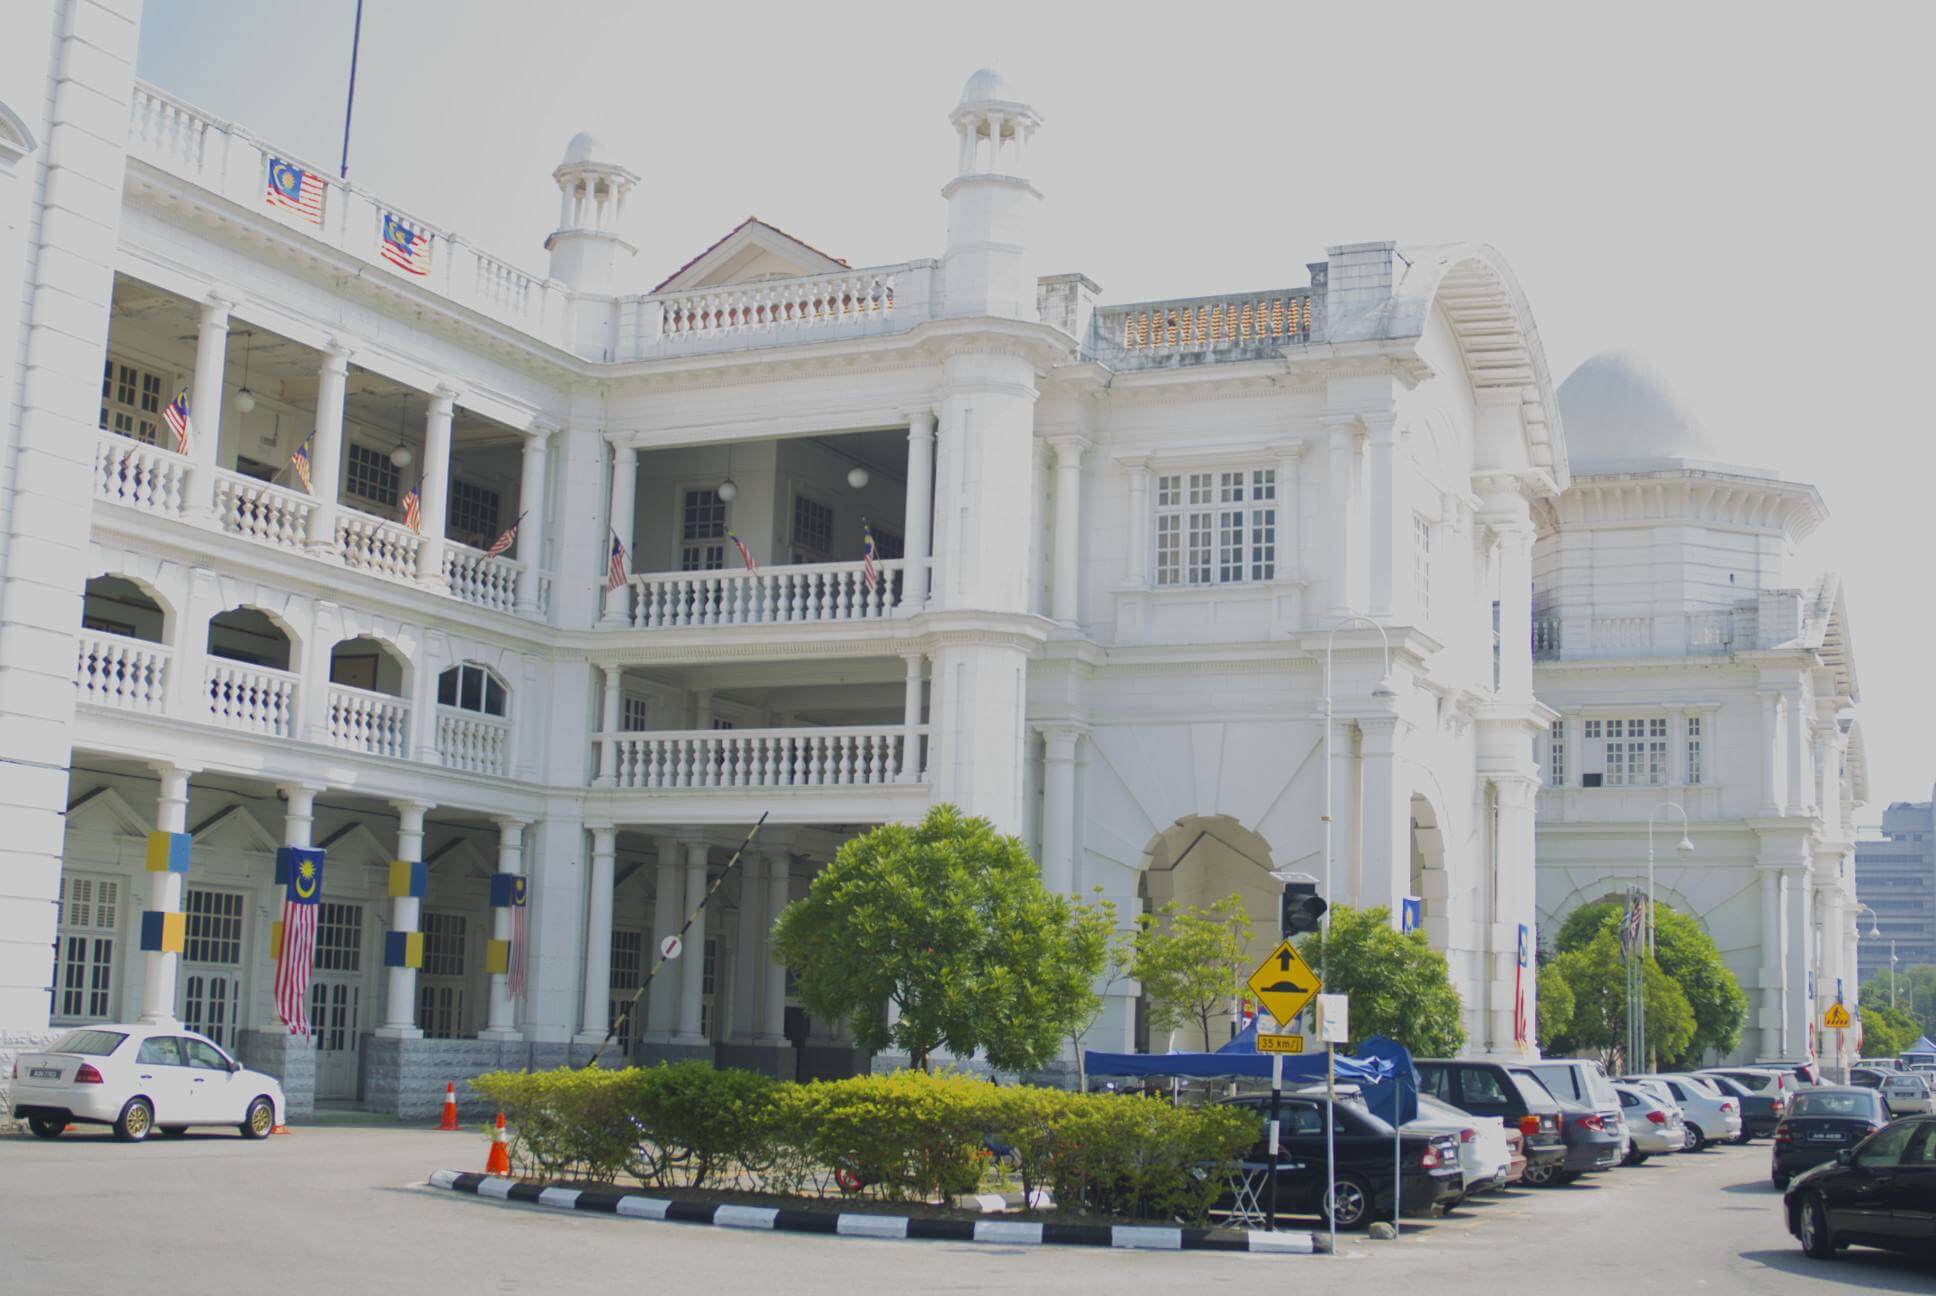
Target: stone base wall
x=12, y=1044
x=776, y=1060
x=654, y=1053
x=290, y=1059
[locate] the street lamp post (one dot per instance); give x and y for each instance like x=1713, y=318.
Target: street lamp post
x=1875, y=933
x=1685, y=847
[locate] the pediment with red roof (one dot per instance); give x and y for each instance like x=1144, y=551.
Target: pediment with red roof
x=752, y=250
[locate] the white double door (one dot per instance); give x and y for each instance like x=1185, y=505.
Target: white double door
x=336, y=998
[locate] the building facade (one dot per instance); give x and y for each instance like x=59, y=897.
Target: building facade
x=1118, y=553
x=1895, y=880
x=1696, y=673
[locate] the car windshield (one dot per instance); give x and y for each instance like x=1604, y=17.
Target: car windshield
x=1537, y=1096
x=92, y=1043
x=1754, y=1080
x=1861, y=1106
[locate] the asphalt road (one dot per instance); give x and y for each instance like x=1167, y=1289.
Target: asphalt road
x=335, y=1209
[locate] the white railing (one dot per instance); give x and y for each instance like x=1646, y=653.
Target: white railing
x=733, y=758
x=375, y=724
x=168, y=129
x=809, y=302
x=258, y=699
x=373, y=545
x=475, y=743
x=1200, y=324
x=270, y=514
x=139, y=475
x=809, y=592
x=119, y=672
x=487, y=582
x=504, y=285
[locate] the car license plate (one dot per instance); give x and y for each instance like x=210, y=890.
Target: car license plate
x=44, y=1073
x=1827, y=1137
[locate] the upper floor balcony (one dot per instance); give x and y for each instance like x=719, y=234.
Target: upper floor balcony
x=1767, y=621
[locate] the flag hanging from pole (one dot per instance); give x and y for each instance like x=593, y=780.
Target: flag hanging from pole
x=1519, y=988
x=615, y=577
x=300, y=870
x=413, y=507
x=869, y=555
x=176, y=417
x=300, y=462
x=744, y=555
x=504, y=541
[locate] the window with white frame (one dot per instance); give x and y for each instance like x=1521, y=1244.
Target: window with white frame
x=1695, y=732
x=339, y=937
x=628, y=950
x=471, y=687
x=213, y=927
x=474, y=513
x=441, y=981
x=1556, y=756
x=87, y=921
x=369, y=475
x=1216, y=528
x=702, y=531
x=1422, y=563
x=813, y=530
x=131, y=401
x=1629, y=752
x=636, y=712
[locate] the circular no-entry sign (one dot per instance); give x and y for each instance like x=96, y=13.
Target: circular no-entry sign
x=670, y=947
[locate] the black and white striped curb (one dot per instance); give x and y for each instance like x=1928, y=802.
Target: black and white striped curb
x=851, y=1224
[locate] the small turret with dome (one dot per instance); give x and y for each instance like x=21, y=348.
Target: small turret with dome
x=988, y=268
x=1618, y=409
x=586, y=248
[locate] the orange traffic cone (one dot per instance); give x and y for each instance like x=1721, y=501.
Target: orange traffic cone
x=450, y=1107
x=499, y=1162
x=280, y=1129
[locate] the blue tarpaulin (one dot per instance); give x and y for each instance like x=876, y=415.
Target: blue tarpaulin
x=1380, y=1097
x=1239, y=1059
x=1922, y=1045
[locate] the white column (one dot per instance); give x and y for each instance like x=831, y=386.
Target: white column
x=1798, y=755
x=326, y=450
x=1516, y=614
x=625, y=480
x=911, y=762
x=1342, y=488
x=1676, y=747
x=1293, y=547
x=205, y=402
x=920, y=509
x=1387, y=851
x=164, y=896
x=1799, y=918
x=749, y=943
x=1772, y=1043
x=531, y=504
x=1068, y=526
x=596, y=1018
x=692, y=983
x=503, y=1022
x=1059, y=808
x=779, y=882
x=1383, y=490
x=608, y=749
x=435, y=501
x=1136, y=570
x=1770, y=738
x=400, y=989
x=668, y=911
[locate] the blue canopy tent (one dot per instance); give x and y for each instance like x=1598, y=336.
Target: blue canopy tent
x=1239, y=1059
x=1922, y=1045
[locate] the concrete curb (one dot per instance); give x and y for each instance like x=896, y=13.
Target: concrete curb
x=610, y=1201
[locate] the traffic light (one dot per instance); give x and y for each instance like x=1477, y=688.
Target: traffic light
x=1300, y=908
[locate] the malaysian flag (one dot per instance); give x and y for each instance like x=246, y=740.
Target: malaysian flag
x=404, y=246
x=1519, y=987
x=176, y=417
x=298, y=190
x=868, y=556
x=615, y=570
x=300, y=462
x=514, y=979
x=413, y=507
x=745, y=557
x=300, y=869
x=504, y=541
x=1635, y=918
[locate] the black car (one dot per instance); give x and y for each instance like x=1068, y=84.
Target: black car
x=1761, y=1111
x=1820, y=1123
x=1881, y=1193
x=1430, y=1179
x=1490, y=1089
x=1591, y=1143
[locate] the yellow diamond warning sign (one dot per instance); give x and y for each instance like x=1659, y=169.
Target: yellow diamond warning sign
x=1836, y=1018
x=1284, y=983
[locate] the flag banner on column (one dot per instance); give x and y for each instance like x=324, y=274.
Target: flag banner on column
x=295, y=189
x=1411, y=913
x=275, y=940
x=409, y=879
x=300, y=869
x=497, y=957
x=1520, y=1033
x=176, y=417
x=168, y=852
x=404, y=245
x=403, y=949
x=163, y=933
x=869, y=555
x=508, y=891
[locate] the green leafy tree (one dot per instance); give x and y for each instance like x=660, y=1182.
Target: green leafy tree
x=1886, y=1031
x=1191, y=962
x=949, y=923
x=1555, y=1006
x=1399, y=985
x=1692, y=961
x=1596, y=973
x=1916, y=994
x=1096, y=937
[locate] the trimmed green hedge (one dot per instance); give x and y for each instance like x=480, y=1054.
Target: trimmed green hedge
x=906, y=1136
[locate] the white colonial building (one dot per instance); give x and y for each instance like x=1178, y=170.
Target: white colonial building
x=1695, y=669
x=1114, y=543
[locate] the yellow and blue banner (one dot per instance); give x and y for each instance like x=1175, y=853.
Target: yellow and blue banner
x=162, y=932
x=403, y=949
x=507, y=890
x=168, y=852
x=409, y=879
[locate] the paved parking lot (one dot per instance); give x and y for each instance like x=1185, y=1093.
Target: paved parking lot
x=330, y=1209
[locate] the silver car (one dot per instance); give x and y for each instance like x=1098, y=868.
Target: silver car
x=1709, y=1115
x=1907, y=1094
x=1654, y=1127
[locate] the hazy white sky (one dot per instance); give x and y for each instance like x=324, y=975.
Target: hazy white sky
x=1740, y=191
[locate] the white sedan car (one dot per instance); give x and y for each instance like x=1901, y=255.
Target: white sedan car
x=1907, y=1094
x=139, y=1079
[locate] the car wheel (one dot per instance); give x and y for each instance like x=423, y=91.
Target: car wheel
x=1817, y=1242
x=1692, y=1140
x=46, y=1126
x=1638, y=1158
x=135, y=1122
x=1353, y=1202
x=172, y=1131
x=1538, y=1176
x=1781, y=1181
x=260, y=1120
x=1743, y=1138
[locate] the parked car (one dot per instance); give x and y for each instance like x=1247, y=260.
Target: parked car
x=1585, y=1082
x=1484, y=1155
x=1881, y=1193
x=1868, y=1077
x=139, y=1079
x=1907, y=1094
x=1820, y=1123
x=1707, y=1114
x=1430, y=1178
x=1654, y=1126
x=1762, y=1102
x=1516, y=1152
x=1490, y=1089
x=1806, y=1071
x=1593, y=1140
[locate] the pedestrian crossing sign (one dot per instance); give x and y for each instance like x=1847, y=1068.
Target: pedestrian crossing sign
x=1836, y=1018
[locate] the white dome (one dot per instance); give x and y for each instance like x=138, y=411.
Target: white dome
x=987, y=86
x=584, y=147
x=1617, y=408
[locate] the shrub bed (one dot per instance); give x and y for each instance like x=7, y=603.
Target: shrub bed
x=910, y=1136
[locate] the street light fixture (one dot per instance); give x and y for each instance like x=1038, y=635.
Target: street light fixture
x=1382, y=692
x=1875, y=933
x=1685, y=847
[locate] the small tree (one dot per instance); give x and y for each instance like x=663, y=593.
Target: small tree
x=1400, y=986
x=1094, y=937
x=949, y=923
x=1886, y=1031
x=1191, y=962
x=1692, y=961
x=1555, y=1007
x=1597, y=975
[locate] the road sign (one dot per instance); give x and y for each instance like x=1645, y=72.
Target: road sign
x=1334, y=1018
x=1280, y=1043
x=1836, y=1018
x=670, y=947
x=1284, y=983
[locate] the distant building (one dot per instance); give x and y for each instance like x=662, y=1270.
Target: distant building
x=1896, y=878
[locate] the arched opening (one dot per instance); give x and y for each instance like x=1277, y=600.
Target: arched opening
x=118, y=606
x=472, y=687
x=1199, y=860
x=246, y=634
x=1429, y=880
x=367, y=664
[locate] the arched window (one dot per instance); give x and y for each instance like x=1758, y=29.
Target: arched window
x=471, y=687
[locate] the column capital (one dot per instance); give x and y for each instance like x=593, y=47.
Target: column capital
x=216, y=306
x=623, y=446
x=443, y=397
x=510, y=824
x=1068, y=448
x=173, y=769
x=408, y=809
x=336, y=354
x=1381, y=733
x=1062, y=738
x=604, y=838
x=1349, y=422
x=1287, y=449
x=921, y=420
x=540, y=432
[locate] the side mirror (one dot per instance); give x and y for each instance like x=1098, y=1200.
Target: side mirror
x=234, y=1066
x=1845, y=1157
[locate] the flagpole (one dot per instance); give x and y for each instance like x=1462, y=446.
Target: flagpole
x=349, y=105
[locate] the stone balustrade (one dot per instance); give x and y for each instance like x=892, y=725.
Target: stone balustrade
x=473, y=743
x=255, y=699
x=374, y=545
x=262, y=512
x=374, y=724
x=863, y=755
x=139, y=475
x=117, y=671
x=487, y=582
x=775, y=595
x=1202, y=328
